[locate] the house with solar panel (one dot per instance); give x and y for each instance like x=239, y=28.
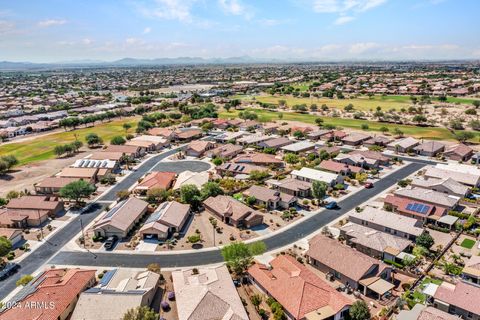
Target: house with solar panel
x=121, y=219
x=117, y=291
x=169, y=218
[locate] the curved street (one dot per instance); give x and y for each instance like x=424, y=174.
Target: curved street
x=49, y=251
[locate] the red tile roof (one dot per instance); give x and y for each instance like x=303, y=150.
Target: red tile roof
x=162, y=180
x=57, y=288
x=296, y=288
x=462, y=295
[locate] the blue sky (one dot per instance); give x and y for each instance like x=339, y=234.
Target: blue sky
x=62, y=30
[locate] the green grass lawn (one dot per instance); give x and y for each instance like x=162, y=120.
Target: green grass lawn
x=41, y=148
x=433, y=133
x=362, y=103
x=468, y=243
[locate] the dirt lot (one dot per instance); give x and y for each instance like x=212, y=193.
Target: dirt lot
x=25, y=177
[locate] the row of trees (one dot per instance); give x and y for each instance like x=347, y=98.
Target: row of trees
x=68, y=149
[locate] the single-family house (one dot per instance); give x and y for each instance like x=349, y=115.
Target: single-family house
x=232, y=211
x=460, y=299
x=198, y=179
x=198, y=148
x=380, y=141
x=349, y=266
x=339, y=167
x=424, y=212
x=233, y=169
x=226, y=151
x=167, y=219
x=471, y=271
x=311, y=175
x=15, y=236
x=52, y=185
x=118, y=291
x=128, y=150
x=403, y=145
x=458, y=152
x=121, y=219
x=422, y=312
x=275, y=143
x=269, y=198
x=207, y=293
x=299, y=147
x=259, y=159
x=188, y=134
x=302, y=293
x=465, y=174
x=435, y=198
x=374, y=243
x=293, y=187
x=51, y=295
x=429, y=148
x=89, y=175
x=355, y=139
x=155, y=180
x=388, y=222
x=445, y=185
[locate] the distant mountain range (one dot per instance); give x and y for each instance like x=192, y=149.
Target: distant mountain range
x=133, y=62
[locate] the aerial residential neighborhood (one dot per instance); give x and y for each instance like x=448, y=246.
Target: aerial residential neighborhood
x=240, y=160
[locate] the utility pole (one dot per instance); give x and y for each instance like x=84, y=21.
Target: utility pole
x=41, y=224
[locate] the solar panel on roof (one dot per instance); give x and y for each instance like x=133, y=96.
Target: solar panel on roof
x=418, y=207
x=107, y=277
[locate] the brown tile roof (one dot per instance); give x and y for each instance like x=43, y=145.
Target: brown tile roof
x=187, y=134
x=229, y=207
x=122, y=148
x=339, y=257
x=458, y=149
x=86, y=173
x=33, y=202
x=266, y=194
x=200, y=145
x=122, y=215
x=105, y=155
x=226, y=150
x=163, y=132
x=375, y=155
x=296, y=288
x=57, y=286
x=55, y=182
x=257, y=158
x=462, y=295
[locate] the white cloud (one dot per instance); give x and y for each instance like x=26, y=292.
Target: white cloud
x=86, y=41
x=171, y=10
x=51, y=22
x=147, y=30
x=236, y=8
x=343, y=20
x=339, y=6
x=347, y=9
x=272, y=22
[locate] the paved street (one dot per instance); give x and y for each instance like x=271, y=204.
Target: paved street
x=278, y=240
x=49, y=248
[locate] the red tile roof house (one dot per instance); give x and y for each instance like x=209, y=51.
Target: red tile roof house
x=167, y=133
x=52, y=295
x=233, y=212
x=402, y=206
x=159, y=180
x=14, y=235
x=121, y=219
x=198, y=148
x=461, y=299
x=352, y=268
x=270, y=199
x=458, y=152
x=302, y=294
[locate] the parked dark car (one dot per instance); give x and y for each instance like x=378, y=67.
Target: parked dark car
x=110, y=242
x=332, y=205
x=8, y=270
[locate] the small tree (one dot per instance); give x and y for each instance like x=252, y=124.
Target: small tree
x=156, y=195
x=93, y=140
x=239, y=256
x=425, y=240
x=190, y=194
x=359, y=311
x=77, y=190
x=24, y=280
x=127, y=126
x=5, y=247
x=118, y=140
x=140, y=313
x=211, y=189
x=256, y=299
x=319, y=189
x=154, y=267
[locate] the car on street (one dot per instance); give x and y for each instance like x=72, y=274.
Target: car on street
x=331, y=205
x=9, y=269
x=368, y=185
